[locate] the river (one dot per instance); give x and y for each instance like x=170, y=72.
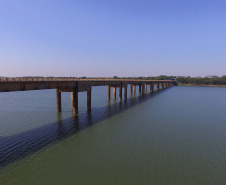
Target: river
x=173, y=137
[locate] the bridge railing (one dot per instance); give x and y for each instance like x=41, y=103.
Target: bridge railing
x=50, y=79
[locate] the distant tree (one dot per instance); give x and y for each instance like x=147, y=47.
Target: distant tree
x=115, y=77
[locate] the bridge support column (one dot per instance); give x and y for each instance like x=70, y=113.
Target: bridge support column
x=89, y=100
x=74, y=99
x=151, y=88
x=109, y=93
x=120, y=93
x=162, y=85
x=58, y=93
x=125, y=93
x=114, y=93
x=144, y=87
x=158, y=86
x=140, y=89
x=134, y=90
x=131, y=89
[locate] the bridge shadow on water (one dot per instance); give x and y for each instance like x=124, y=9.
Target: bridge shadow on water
x=15, y=147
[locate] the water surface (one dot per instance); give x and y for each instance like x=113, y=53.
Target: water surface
x=176, y=136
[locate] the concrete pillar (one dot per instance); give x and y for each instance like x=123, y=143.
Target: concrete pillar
x=120, y=93
x=151, y=87
x=134, y=89
x=114, y=93
x=162, y=85
x=58, y=93
x=158, y=86
x=145, y=87
x=125, y=92
x=140, y=89
x=131, y=89
x=74, y=99
x=89, y=100
x=109, y=92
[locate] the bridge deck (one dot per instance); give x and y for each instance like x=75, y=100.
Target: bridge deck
x=24, y=84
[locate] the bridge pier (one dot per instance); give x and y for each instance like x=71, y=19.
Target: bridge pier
x=151, y=88
x=74, y=99
x=120, y=93
x=58, y=93
x=158, y=86
x=143, y=88
x=115, y=93
x=125, y=93
x=109, y=93
x=131, y=89
x=134, y=90
x=89, y=100
x=140, y=89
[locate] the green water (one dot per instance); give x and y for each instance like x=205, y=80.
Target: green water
x=174, y=137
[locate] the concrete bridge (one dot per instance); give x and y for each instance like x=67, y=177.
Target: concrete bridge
x=75, y=85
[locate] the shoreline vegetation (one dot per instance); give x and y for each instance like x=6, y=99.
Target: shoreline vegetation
x=208, y=81
x=200, y=85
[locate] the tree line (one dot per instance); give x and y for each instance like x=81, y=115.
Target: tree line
x=213, y=80
x=187, y=80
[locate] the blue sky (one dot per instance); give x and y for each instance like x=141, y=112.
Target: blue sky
x=104, y=38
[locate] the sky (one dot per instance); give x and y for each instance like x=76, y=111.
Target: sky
x=106, y=38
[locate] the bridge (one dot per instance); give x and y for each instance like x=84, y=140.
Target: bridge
x=75, y=85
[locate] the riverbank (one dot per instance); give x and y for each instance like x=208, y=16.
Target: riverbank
x=201, y=85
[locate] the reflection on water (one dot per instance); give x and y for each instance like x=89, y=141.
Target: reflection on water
x=19, y=145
